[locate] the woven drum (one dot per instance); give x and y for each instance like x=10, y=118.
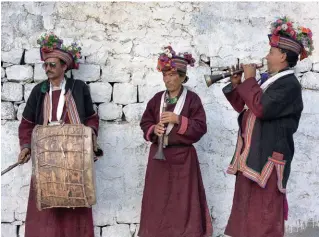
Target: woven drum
x=62, y=166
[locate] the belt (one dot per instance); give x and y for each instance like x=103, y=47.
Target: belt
x=178, y=145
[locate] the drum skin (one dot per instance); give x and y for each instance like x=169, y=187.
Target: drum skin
x=63, y=166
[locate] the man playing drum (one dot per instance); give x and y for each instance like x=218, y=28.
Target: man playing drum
x=270, y=110
x=55, y=101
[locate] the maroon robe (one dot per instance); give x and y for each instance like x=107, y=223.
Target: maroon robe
x=256, y=211
x=55, y=222
x=174, y=201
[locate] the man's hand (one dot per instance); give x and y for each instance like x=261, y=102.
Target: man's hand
x=249, y=70
x=159, y=129
x=24, y=155
x=94, y=139
x=236, y=78
x=169, y=117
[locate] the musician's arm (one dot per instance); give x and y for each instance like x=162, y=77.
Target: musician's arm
x=148, y=121
x=92, y=118
x=25, y=133
x=270, y=105
x=191, y=129
x=28, y=120
x=230, y=92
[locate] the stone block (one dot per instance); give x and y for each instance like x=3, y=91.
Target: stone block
x=32, y=56
x=133, y=112
x=124, y=93
x=116, y=70
x=20, y=73
x=121, y=230
x=100, y=92
x=303, y=66
x=310, y=100
x=8, y=230
x=87, y=72
x=15, y=184
x=7, y=110
x=13, y=56
x=315, y=67
x=119, y=47
x=138, y=77
x=3, y=73
x=110, y=111
x=39, y=73
x=310, y=80
x=20, y=111
x=27, y=90
x=11, y=91
x=7, y=214
x=97, y=231
x=21, y=231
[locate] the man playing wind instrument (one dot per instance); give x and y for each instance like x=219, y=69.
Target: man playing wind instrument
x=270, y=110
x=174, y=202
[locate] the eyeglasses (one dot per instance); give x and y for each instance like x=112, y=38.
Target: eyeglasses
x=51, y=64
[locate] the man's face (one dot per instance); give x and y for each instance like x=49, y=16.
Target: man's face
x=275, y=59
x=172, y=80
x=53, y=68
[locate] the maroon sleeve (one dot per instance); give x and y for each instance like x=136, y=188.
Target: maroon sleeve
x=251, y=93
x=233, y=97
x=190, y=129
x=25, y=133
x=93, y=122
x=148, y=121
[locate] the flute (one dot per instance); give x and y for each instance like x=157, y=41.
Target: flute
x=160, y=153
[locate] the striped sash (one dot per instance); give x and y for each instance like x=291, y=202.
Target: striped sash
x=71, y=109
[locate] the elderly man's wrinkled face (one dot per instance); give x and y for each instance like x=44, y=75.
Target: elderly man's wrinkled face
x=54, y=69
x=172, y=80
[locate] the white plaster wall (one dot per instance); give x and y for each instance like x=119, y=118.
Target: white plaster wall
x=121, y=42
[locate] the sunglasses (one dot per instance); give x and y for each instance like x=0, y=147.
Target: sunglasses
x=51, y=64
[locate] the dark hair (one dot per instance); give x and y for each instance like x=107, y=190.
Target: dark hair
x=292, y=57
x=183, y=74
x=64, y=63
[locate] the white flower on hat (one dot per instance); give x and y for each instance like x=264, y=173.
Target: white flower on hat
x=169, y=55
x=284, y=26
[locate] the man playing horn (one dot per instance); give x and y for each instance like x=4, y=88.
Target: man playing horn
x=174, y=201
x=270, y=110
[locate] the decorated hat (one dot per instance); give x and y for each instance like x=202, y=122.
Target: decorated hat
x=170, y=60
x=286, y=35
x=52, y=47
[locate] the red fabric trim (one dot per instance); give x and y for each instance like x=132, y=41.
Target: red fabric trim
x=183, y=126
x=149, y=132
x=277, y=161
x=286, y=207
x=277, y=156
x=27, y=120
x=251, y=93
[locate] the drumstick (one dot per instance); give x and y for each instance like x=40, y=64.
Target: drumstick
x=10, y=168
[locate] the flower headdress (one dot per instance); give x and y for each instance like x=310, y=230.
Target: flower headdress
x=168, y=60
x=284, y=27
x=52, y=46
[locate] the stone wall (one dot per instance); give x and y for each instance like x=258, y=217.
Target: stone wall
x=121, y=42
